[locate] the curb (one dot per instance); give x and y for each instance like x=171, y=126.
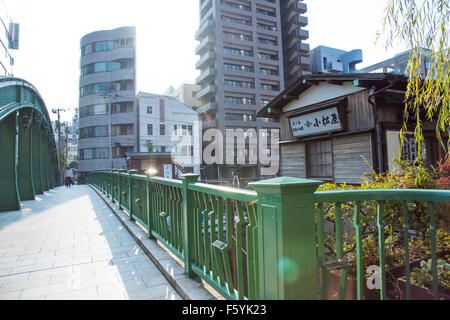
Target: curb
x=187, y=288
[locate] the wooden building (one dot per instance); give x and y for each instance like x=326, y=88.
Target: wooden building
x=338, y=127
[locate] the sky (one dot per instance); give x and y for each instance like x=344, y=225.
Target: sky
x=50, y=33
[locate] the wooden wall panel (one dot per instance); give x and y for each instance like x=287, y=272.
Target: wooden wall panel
x=349, y=166
x=293, y=162
x=359, y=112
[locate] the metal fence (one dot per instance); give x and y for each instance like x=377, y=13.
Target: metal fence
x=272, y=243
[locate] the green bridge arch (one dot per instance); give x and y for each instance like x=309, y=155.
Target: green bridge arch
x=28, y=156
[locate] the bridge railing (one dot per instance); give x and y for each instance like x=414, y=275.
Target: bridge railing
x=377, y=224
x=272, y=243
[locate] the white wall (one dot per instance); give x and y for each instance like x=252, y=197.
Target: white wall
x=176, y=113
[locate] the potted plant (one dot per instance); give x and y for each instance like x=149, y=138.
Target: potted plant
x=422, y=281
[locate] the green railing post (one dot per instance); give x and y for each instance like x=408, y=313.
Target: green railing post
x=286, y=236
x=111, y=183
x=188, y=222
x=130, y=194
x=149, y=206
x=119, y=200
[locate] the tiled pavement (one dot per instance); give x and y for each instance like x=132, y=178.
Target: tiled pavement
x=68, y=245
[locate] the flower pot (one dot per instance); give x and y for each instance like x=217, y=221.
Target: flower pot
x=421, y=293
x=351, y=290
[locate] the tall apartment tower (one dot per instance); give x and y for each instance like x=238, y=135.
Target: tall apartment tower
x=295, y=51
x=108, y=78
x=241, y=61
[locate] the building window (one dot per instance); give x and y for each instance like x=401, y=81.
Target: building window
x=150, y=129
x=95, y=153
x=94, y=132
x=122, y=130
x=320, y=159
x=149, y=110
x=162, y=130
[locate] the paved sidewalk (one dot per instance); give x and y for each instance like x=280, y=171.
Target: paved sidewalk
x=69, y=245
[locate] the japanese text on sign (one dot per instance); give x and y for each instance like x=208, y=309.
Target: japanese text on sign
x=316, y=122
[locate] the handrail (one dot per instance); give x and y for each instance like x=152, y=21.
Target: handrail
x=382, y=195
x=232, y=193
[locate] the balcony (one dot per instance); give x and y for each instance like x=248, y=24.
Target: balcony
x=304, y=48
x=300, y=6
x=209, y=124
x=297, y=50
x=302, y=20
x=207, y=59
x=210, y=108
x=206, y=92
x=207, y=28
x=206, y=44
x=302, y=34
x=206, y=76
x=205, y=5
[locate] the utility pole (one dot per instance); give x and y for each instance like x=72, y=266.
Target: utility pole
x=109, y=96
x=110, y=134
x=58, y=126
x=67, y=141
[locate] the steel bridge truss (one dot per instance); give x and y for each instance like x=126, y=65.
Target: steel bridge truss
x=28, y=156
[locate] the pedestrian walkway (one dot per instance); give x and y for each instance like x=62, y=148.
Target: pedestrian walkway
x=69, y=245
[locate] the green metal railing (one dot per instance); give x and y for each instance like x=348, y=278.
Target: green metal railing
x=29, y=164
x=359, y=200
x=268, y=243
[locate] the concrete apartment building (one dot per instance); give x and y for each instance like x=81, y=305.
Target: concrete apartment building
x=9, y=41
x=187, y=94
x=72, y=139
x=169, y=126
x=295, y=51
x=242, y=62
x=108, y=77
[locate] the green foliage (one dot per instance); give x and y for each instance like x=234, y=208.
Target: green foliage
x=423, y=277
x=409, y=176
x=418, y=25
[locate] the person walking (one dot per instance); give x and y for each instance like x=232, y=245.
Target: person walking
x=69, y=177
